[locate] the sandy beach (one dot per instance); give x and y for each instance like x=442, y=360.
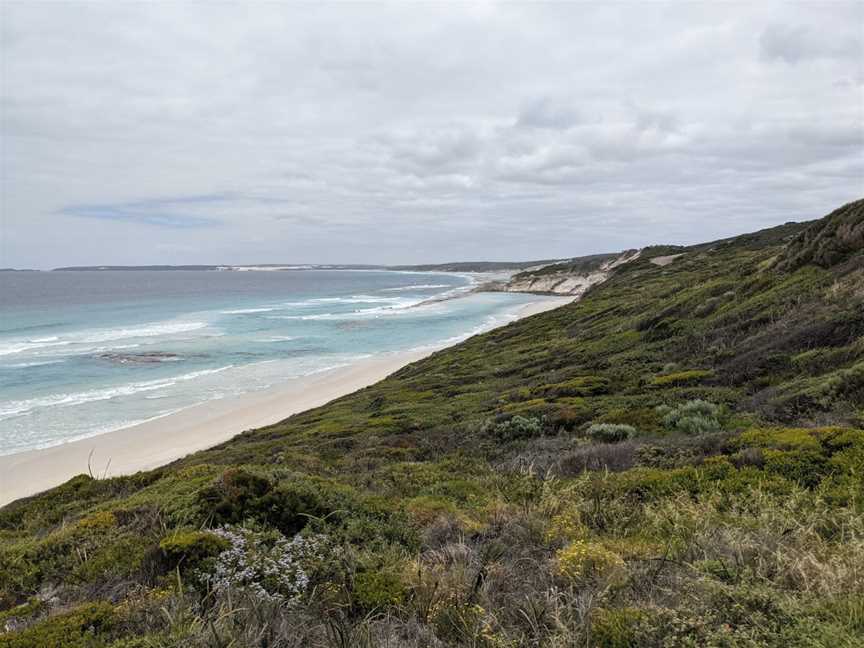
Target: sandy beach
x=157, y=442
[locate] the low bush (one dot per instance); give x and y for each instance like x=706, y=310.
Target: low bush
x=234, y=496
x=265, y=565
x=581, y=386
x=566, y=416
x=780, y=438
x=531, y=406
x=187, y=549
x=804, y=467
x=377, y=590
x=425, y=509
x=84, y=627
x=238, y=496
x=518, y=427
x=611, y=432
x=644, y=419
x=615, y=628
x=98, y=521
x=563, y=414
x=681, y=378
x=614, y=457
x=692, y=418
x=648, y=484
x=582, y=560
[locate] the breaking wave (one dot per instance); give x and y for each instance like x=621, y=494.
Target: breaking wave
x=21, y=407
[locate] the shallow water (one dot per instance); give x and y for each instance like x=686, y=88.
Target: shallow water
x=83, y=353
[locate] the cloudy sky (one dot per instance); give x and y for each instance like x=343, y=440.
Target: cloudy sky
x=274, y=132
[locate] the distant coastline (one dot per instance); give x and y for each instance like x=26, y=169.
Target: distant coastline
x=461, y=266
x=221, y=268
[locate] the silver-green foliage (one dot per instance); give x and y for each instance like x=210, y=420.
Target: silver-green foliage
x=692, y=418
x=611, y=432
x=519, y=427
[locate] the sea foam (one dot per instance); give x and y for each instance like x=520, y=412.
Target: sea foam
x=98, y=336
x=415, y=287
x=245, y=311
x=26, y=406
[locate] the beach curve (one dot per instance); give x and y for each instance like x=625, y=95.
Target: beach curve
x=148, y=445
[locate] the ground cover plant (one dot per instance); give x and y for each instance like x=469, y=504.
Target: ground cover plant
x=675, y=460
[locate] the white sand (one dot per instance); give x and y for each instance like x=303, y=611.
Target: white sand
x=665, y=260
x=157, y=442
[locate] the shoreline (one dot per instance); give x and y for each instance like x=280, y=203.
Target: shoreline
x=154, y=443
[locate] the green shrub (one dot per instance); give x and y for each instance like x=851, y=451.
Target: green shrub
x=239, y=495
x=717, y=569
x=805, y=467
x=375, y=590
x=95, y=547
x=615, y=628
x=290, y=507
x=121, y=556
x=533, y=406
x=692, y=418
x=83, y=627
x=781, y=438
x=234, y=496
x=681, y=378
x=816, y=361
x=581, y=386
x=98, y=521
x=611, y=432
x=581, y=560
x=644, y=419
x=568, y=414
x=564, y=414
x=518, y=427
x=844, y=382
x=188, y=549
x=647, y=484
x=424, y=509
x=841, y=439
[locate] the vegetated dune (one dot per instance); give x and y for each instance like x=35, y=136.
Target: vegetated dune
x=674, y=460
x=573, y=277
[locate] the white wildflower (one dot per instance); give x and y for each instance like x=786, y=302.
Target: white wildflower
x=267, y=565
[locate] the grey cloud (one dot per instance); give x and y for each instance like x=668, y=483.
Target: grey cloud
x=546, y=113
x=139, y=214
x=659, y=120
x=794, y=44
x=436, y=152
x=164, y=133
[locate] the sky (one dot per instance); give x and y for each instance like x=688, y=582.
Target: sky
x=266, y=132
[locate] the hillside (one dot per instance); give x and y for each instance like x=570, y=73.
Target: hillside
x=674, y=460
x=575, y=276
x=838, y=240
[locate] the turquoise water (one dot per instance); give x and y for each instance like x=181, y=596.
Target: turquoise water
x=83, y=353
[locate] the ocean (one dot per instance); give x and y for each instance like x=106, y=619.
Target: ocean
x=83, y=353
